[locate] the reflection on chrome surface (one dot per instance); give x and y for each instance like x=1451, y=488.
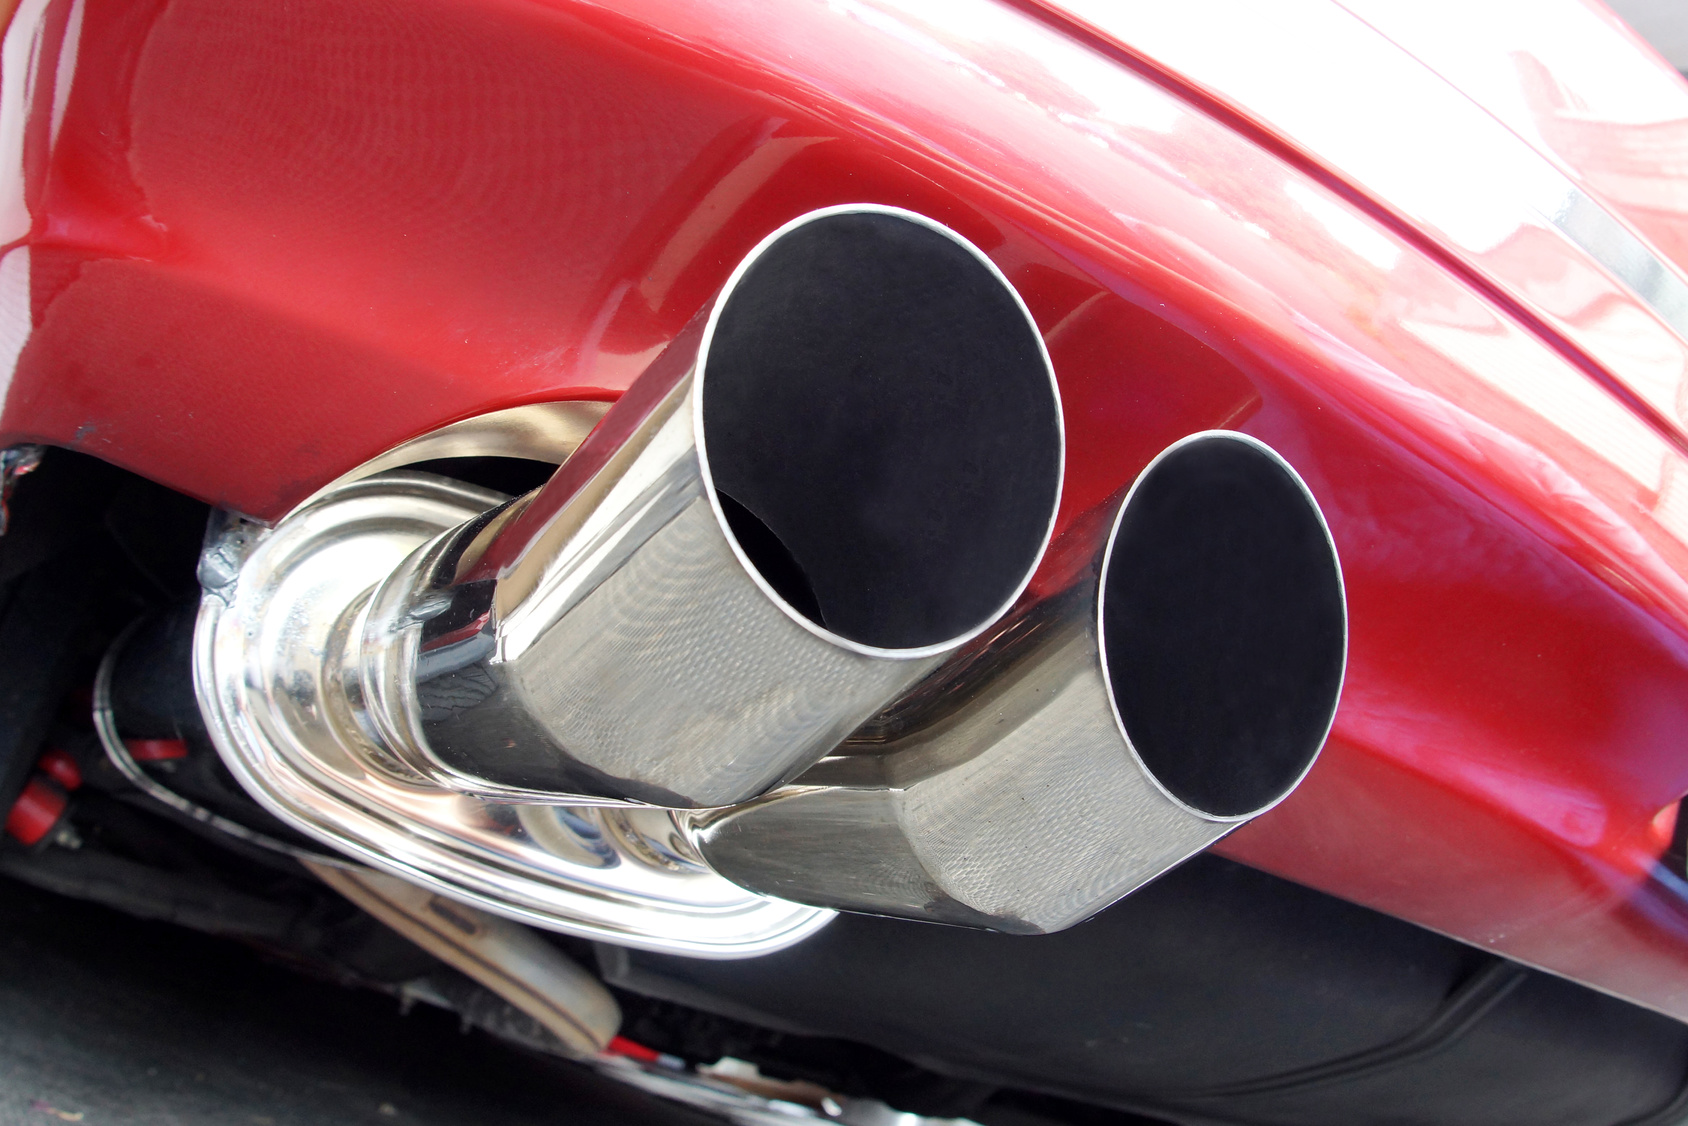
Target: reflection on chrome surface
x=290, y=730
x=786, y=522
x=1181, y=688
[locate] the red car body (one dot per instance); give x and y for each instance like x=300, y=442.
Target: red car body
x=252, y=246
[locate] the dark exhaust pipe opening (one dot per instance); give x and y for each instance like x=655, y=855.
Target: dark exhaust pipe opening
x=1223, y=624
x=881, y=429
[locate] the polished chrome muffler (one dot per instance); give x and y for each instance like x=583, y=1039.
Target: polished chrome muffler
x=1182, y=687
x=844, y=469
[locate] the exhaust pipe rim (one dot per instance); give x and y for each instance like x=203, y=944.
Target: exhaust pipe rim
x=1147, y=479
x=713, y=492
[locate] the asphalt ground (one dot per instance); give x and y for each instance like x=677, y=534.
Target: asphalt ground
x=105, y=1019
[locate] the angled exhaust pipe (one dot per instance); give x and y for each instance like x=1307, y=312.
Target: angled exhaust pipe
x=1184, y=686
x=844, y=468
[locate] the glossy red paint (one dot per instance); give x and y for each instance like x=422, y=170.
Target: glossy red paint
x=1545, y=69
x=273, y=240
x=1425, y=160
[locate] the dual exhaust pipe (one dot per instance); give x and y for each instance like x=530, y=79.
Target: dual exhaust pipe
x=782, y=586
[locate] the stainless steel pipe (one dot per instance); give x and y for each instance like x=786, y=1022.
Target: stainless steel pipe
x=1182, y=687
x=845, y=468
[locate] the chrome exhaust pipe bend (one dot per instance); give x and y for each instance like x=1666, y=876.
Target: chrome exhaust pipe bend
x=844, y=469
x=1185, y=687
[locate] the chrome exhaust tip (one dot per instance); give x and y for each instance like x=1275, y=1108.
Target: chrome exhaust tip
x=845, y=468
x=1183, y=687
x=879, y=430
x=1223, y=631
